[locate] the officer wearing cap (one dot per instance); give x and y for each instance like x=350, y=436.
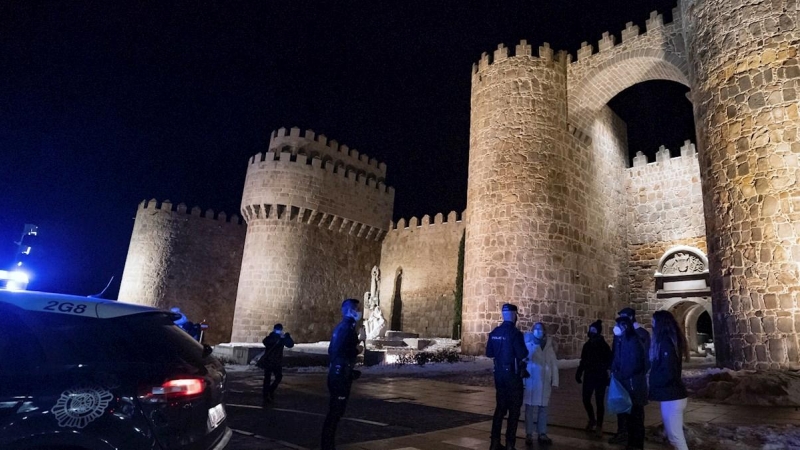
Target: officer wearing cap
x=342, y=353
x=506, y=345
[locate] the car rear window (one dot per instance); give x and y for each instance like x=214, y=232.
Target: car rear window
x=140, y=338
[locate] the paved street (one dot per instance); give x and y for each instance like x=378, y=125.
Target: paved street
x=419, y=413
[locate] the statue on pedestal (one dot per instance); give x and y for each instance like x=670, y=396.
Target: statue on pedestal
x=375, y=324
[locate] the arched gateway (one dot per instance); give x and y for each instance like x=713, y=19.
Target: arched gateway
x=560, y=224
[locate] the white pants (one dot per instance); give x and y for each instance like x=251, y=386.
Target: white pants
x=672, y=415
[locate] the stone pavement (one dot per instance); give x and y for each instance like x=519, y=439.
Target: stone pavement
x=420, y=414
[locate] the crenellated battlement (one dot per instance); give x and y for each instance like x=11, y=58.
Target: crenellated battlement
x=664, y=159
x=182, y=209
x=629, y=35
x=313, y=218
x=284, y=160
x=439, y=220
x=522, y=50
x=318, y=145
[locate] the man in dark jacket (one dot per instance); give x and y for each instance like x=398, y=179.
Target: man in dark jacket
x=342, y=353
x=630, y=369
x=506, y=345
x=644, y=337
x=593, y=371
x=272, y=361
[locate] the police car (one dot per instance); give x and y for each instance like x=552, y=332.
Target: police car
x=82, y=373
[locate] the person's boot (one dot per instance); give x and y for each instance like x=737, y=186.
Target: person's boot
x=544, y=440
x=528, y=439
x=590, y=425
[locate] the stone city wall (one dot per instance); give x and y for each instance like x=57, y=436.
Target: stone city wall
x=316, y=213
x=745, y=79
x=188, y=260
x=317, y=146
x=419, y=264
x=283, y=178
x=665, y=209
x=546, y=214
x=299, y=266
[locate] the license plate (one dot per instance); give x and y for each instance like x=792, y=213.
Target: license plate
x=215, y=416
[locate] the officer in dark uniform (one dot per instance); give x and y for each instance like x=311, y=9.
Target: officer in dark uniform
x=506, y=345
x=342, y=353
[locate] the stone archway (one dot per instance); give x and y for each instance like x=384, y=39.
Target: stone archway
x=610, y=78
x=687, y=312
x=681, y=280
x=595, y=78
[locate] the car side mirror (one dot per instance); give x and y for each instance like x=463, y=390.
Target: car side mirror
x=207, y=350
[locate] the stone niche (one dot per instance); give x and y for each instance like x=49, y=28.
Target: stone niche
x=682, y=272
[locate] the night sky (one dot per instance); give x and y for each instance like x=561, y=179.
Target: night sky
x=105, y=104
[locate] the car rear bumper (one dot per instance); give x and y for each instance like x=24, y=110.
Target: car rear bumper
x=224, y=440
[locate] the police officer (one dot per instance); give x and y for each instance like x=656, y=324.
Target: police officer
x=342, y=353
x=506, y=345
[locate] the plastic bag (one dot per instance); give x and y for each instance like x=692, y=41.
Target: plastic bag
x=618, y=400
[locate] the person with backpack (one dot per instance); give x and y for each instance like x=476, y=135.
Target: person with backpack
x=667, y=351
x=272, y=361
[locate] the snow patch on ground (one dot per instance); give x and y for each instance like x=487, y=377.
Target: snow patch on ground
x=745, y=387
x=708, y=436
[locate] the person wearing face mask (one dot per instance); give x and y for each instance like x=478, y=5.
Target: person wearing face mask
x=506, y=345
x=593, y=372
x=630, y=369
x=342, y=353
x=644, y=337
x=543, y=370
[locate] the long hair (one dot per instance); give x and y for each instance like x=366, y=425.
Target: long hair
x=665, y=328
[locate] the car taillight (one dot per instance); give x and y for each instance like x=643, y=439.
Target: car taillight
x=170, y=390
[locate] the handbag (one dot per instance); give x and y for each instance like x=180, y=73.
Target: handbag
x=618, y=401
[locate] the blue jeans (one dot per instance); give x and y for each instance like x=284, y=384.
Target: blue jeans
x=541, y=422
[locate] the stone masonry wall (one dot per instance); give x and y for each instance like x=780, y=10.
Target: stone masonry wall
x=316, y=215
x=297, y=272
x=745, y=76
x=426, y=254
x=315, y=184
x=665, y=209
x=546, y=208
x=181, y=259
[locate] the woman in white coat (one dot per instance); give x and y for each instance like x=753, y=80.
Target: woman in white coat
x=543, y=369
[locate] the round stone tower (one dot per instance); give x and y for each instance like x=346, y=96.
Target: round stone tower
x=188, y=259
x=316, y=213
x=745, y=83
x=517, y=131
